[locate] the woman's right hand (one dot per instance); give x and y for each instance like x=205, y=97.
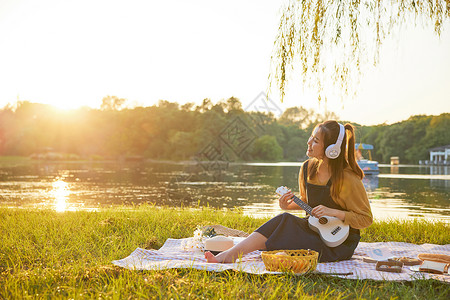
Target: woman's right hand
x=286, y=200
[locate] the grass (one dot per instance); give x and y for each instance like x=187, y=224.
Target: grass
x=46, y=254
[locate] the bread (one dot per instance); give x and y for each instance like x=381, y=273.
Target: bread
x=433, y=267
x=442, y=258
x=407, y=261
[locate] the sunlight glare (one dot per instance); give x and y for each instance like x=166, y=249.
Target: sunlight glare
x=60, y=192
x=66, y=105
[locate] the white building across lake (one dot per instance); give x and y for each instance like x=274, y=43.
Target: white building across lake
x=440, y=155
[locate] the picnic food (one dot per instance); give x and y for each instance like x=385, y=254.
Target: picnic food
x=407, y=261
x=389, y=266
x=433, y=267
x=442, y=258
x=434, y=263
x=297, y=261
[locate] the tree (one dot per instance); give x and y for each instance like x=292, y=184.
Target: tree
x=233, y=105
x=298, y=116
x=331, y=39
x=205, y=106
x=267, y=148
x=187, y=106
x=183, y=145
x=438, y=132
x=296, y=149
x=112, y=103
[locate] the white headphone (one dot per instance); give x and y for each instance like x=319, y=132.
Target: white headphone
x=334, y=150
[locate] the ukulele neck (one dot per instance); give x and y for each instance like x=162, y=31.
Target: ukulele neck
x=303, y=205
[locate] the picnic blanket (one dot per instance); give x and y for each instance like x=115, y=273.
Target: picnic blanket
x=172, y=255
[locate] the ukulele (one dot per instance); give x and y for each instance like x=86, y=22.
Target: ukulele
x=331, y=230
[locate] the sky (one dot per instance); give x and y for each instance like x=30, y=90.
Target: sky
x=74, y=53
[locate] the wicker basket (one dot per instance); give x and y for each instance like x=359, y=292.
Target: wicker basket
x=297, y=261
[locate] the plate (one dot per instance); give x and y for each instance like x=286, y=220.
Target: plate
x=415, y=268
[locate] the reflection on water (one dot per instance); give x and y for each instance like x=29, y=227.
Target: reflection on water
x=406, y=192
x=60, y=192
x=412, y=192
x=395, y=169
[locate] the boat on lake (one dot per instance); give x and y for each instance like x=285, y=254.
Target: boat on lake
x=369, y=166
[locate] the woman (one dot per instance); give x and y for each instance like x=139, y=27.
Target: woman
x=330, y=182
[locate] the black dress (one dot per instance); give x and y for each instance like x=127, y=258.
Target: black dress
x=289, y=232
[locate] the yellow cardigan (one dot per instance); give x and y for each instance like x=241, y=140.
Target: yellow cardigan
x=352, y=198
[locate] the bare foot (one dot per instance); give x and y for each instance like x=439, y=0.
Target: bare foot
x=210, y=257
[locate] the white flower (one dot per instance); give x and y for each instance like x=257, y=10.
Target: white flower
x=195, y=243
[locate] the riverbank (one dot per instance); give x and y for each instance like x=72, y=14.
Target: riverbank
x=44, y=253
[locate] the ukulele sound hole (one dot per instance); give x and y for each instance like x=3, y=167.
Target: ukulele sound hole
x=323, y=220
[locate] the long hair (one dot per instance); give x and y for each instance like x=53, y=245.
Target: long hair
x=329, y=131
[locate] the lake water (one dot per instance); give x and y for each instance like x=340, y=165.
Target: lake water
x=397, y=192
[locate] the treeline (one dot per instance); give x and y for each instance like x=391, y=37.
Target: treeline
x=221, y=131
x=410, y=139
